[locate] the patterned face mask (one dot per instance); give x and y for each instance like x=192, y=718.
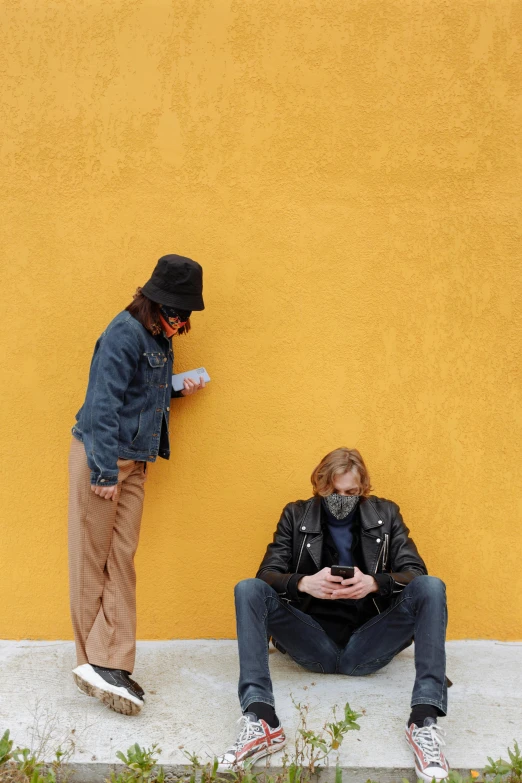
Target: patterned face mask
x=341, y=505
x=175, y=317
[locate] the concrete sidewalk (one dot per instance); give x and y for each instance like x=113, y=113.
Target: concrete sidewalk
x=192, y=704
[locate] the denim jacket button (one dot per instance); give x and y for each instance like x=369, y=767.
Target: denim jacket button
x=168, y=408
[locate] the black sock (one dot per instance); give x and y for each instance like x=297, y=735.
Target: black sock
x=264, y=712
x=421, y=711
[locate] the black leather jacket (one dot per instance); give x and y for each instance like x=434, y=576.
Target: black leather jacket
x=389, y=554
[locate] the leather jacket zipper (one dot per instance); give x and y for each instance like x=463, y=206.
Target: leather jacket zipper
x=304, y=539
x=381, y=550
x=300, y=555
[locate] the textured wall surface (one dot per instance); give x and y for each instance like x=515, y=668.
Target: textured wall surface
x=349, y=175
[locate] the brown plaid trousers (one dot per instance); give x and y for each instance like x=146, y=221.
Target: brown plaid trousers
x=103, y=538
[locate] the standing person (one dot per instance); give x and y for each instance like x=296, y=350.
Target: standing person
x=122, y=425
x=328, y=624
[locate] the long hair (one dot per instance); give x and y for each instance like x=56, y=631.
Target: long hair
x=336, y=463
x=147, y=313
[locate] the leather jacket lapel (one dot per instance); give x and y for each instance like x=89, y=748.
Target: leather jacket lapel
x=311, y=527
x=311, y=521
x=369, y=515
x=372, y=535
x=315, y=549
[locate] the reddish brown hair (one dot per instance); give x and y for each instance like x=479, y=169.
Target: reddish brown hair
x=335, y=464
x=147, y=313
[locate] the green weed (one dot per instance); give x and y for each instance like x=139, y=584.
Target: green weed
x=139, y=766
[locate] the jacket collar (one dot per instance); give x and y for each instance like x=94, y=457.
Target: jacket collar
x=311, y=521
x=370, y=517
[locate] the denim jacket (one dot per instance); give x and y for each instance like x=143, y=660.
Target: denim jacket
x=128, y=399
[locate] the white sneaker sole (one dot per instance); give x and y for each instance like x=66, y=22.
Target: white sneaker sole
x=429, y=778
x=253, y=758
x=117, y=699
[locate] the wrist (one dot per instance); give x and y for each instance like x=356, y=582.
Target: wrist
x=301, y=585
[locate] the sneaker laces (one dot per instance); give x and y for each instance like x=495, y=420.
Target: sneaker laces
x=247, y=731
x=429, y=738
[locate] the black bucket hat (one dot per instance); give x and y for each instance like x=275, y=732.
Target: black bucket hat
x=176, y=281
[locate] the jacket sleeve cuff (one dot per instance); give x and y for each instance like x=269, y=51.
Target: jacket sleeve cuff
x=291, y=587
x=104, y=479
x=385, y=584
x=176, y=394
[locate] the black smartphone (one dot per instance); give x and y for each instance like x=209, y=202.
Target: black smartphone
x=347, y=572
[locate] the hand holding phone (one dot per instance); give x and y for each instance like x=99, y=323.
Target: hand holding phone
x=194, y=375
x=347, y=572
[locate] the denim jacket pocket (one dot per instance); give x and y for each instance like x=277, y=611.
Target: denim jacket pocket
x=156, y=362
x=140, y=422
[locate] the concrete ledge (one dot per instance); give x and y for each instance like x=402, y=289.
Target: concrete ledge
x=94, y=773
x=192, y=705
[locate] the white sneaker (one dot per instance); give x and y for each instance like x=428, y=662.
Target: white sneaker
x=426, y=742
x=255, y=740
x=115, y=688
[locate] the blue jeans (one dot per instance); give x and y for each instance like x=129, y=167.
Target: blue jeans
x=419, y=611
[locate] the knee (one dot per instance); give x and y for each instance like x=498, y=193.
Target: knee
x=249, y=589
x=430, y=586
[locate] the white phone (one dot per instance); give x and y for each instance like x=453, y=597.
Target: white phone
x=195, y=375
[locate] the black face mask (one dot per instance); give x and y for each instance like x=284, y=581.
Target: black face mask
x=174, y=315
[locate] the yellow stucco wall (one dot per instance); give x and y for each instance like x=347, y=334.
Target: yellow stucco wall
x=349, y=175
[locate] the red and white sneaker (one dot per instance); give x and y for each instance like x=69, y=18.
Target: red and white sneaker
x=426, y=742
x=255, y=740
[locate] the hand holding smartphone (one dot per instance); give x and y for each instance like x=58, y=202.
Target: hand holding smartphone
x=178, y=380
x=347, y=572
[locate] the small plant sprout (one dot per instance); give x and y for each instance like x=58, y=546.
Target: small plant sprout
x=6, y=746
x=140, y=764
x=508, y=771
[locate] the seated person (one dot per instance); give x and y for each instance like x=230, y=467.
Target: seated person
x=332, y=625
